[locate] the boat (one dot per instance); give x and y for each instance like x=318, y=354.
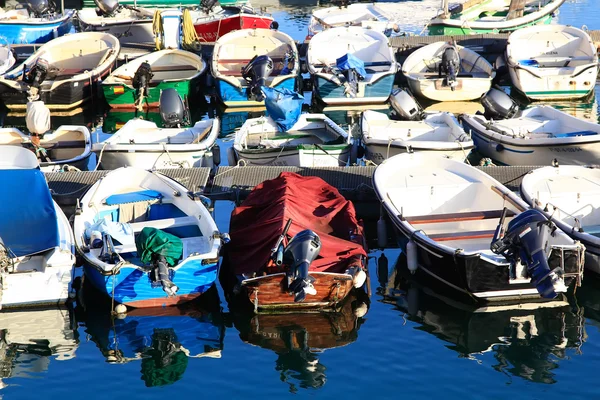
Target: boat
x=215, y=19
x=569, y=195
x=7, y=58
x=36, y=246
x=351, y=65
x=451, y=217
x=535, y=136
x=438, y=133
x=144, y=241
x=444, y=71
x=492, y=16
x=140, y=143
x=139, y=83
x=552, y=62
x=367, y=15
x=64, y=72
x=247, y=59
x=283, y=257
x=313, y=141
x=35, y=22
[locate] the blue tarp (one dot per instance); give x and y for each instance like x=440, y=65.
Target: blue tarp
x=350, y=61
x=28, y=221
x=283, y=106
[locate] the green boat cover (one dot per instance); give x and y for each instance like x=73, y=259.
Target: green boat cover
x=154, y=241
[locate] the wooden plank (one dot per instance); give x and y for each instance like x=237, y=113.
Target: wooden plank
x=444, y=237
x=455, y=217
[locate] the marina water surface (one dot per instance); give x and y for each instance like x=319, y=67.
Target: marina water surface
x=401, y=343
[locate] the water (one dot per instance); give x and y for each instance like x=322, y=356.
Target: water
x=409, y=344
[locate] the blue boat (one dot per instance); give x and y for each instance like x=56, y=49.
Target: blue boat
x=19, y=27
x=145, y=241
x=245, y=60
x=351, y=66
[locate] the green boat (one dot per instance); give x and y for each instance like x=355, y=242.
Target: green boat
x=137, y=84
x=492, y=16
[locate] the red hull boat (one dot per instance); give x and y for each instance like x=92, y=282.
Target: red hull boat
x=264, y=274
x=210, y=27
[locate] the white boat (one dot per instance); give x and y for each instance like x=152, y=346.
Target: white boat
x=37, y=255
x=570, y=196
x=68, y=145
x=142, y=144
x=128, y=24
x=367, y=15
x=313, y=141
x=336, y=86
x=427, y=75
x=537, y=136
x=437, y=133
x=451, y=221
x=145, y=240
x=552, y=62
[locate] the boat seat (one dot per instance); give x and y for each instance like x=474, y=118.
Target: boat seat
x=164, y=223
x=446, y=237
x=456, y=217
x=132, y=197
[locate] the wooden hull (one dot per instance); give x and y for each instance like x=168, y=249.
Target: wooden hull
x=269, y=293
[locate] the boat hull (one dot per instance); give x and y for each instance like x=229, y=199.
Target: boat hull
x=434, y=89
x=127, y=156
x=235, y=96
x=36, y=33
x=369, y=93
x=134, y=31
x=445, y=29
x=81, y=163
x=211, y=30
x=380, y=152
x=553, y=87
x=50, y=287
x=336, y=156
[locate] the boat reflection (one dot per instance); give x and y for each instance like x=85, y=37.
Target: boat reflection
x=527, y=340
x=162, y=339
x=299, y=338
x=30, y=340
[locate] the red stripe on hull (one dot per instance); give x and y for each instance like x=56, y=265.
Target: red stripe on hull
x=212, y=30
x=163, y=302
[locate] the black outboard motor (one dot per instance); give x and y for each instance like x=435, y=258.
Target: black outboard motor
x=39, y=8
x=37, y=73
x=161, y=250
x=160, y=273
x=208, y=5
x=256, y=73
x=498, y=105
x=106, y=8
x=141, y=80
x=352, y=78
x=173, y=111
x=298, y=255
x=450, y=66
x=527, y=241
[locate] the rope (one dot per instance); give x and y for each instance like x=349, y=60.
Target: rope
x=190, y=39
x=157, y=29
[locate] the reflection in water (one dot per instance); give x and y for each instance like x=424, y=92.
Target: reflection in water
x=163, y=339
x=299, y=338
x=527, y=341
x=29, y=340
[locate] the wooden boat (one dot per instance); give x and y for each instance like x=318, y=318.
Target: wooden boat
x=123, y=217
x=492, y=16
x=337, y=86
x=536, y=136
x=552, y=62
x=367, y=15
x=67, y=145
x=313, y=141
x=238, y=51
x=427, y=75
x=569, y=196
x=18, y=26
x=142, y=144
x=177, y=69
x=66, y=71
x=437, y=133
x=130, y=25
x=284, y=208
x=446, y=214
x=211, y=23
x=36, y=253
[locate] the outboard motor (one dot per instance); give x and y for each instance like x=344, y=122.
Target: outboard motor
x=40, y=8
x=173, y=111
x=405, y=105
x=162, y=250
x=498, y=105
x=527, y=241
x=141, y=80
x=106, y=8
x=256, y=73
x=208, y=5
x=37, y=73
x=298, y=255
x=352, y=71
x=450, y=66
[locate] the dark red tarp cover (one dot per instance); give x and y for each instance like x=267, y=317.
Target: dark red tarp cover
x=311, y=204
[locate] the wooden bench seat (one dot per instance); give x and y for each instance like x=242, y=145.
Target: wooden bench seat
x=456, y=217
x=164, y=223
x=446, y=237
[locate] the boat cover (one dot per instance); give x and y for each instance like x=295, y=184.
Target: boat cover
x=154, y=241
x=311, y=204
x=284, y=106
x=28, y=222
x=350, y=61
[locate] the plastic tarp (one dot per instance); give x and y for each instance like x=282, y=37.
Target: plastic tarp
x=311, y=204
x=28, y=221
x=350, y=61
x=154, y=241
x=283, y=106
x=37, y=117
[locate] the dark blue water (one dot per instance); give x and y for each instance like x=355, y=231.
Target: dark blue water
x=408, y=345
